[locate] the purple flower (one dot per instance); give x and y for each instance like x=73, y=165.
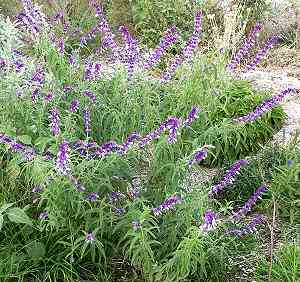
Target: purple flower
x=61, y=45
x=165, y=42
x=89, y=238
x=72, y=59
x=106, y=148
x=55, y=121
x=90, y=95
x=38, y=78
x=173, y=125
x=261, y=54
x=44, y=216
x=171, y=68
x=48, y=97
x=92, y=196
x=250, y=203
x=193, y=42
x=62, y=161
x=248, y=44
x=166, y=205
x=35, y=95
x=198, y=156
x=290, y=163
x=193, y=114
x=130, y=52
x=116, y=196
x=136, y=225
x=266, y=106
x=249, y=228
x=129, y=142
x=74, y=105
x=92, y=71
x=87, y=120
x=209, y=221
x=119, y=211
x=134, y=192
x=229, y=177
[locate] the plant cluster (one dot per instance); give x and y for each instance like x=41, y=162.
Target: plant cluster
x=98, y=149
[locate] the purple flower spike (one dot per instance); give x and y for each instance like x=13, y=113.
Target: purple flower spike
x=197, y=157
x=62, y=162
x=165, y=42
x=92, y=71
x=266, y=106
x=250, y=203
x=90, y=95
x=116, y=196
x=119, y=211
x=87, y=120
x=261, y=54
x=74, y=106
x=166, y=205
x=136, y=225
x=229, y=177
x=209, y=221
x=55, y=121
x=89, y=238
x=92, y=197
x=249, y=228
x=48, y=97
x=129, y=142
x=44, y=216
x=248, y=44
x=35, y=95
x=105, y=149
x=173, y=125
x=191, y=117
x=193, y=42
x=171, y=68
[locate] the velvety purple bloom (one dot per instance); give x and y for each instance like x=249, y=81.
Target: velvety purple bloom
x=249, y=228
x=261, y=53
x=62, y=161
x=209, y=221
x=61, y=45
x=106, y=148
x=74, y=106
x=193, y=42
x=136, y=225
x=44, y=216
x=87, y=120
x=250, y=203
x=166, y=205
x=173, y=125
x=55, y=121
x=92, y=71
x=193, y=114
x=48, y=97
x=35, y=95
x=229, y=177
x=28, y=154
x=89, y=238
x=90, y=95
x=92, y=196
x=130, y=52
x=198, y=156
x=244, y=50
x=171, y=68
x=165, y=42
x=2, y=63
x=116, y=196
x=134, y=192
x=38, y=78
x=129, y=142
x=119, y=211
x=266, y=106
x=73, y=59
x=19, y=65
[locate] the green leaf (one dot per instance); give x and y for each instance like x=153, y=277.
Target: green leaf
x=36, y=250
x=5, y=207
x=18, y=215
x=25, y=139
x=1, y=221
